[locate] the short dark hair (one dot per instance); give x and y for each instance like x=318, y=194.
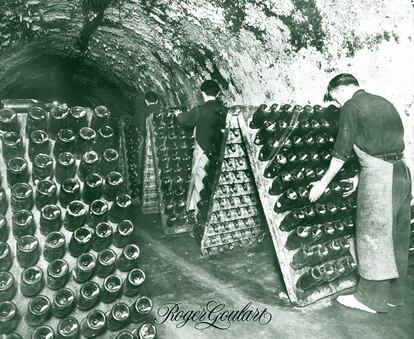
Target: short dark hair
x=151, y=96
x=344, y=79
x=210, y=87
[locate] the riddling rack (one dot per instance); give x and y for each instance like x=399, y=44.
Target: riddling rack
x=234, y=216
x=289, y=147
x=150, y=200
x=172, y=148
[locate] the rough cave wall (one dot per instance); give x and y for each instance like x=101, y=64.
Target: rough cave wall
x=258, y=50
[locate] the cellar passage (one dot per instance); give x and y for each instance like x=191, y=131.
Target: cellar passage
x=52, y=78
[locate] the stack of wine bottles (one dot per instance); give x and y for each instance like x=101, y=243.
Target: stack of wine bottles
x=150, y=201
x=230, y=210
x=68, y=257
x=132, y=149
x=292, y=148
x=173, y=147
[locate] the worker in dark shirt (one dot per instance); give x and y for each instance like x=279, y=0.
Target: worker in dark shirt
x=204, y=119
x=151, y=106
x=370, y=125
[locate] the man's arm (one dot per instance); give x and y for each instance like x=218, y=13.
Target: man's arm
x=347, y=131
x=188, y=118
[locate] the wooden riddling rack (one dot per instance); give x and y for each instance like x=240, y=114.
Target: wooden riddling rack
x=130, y=150
x=22, y=301
x=285, y=256
x=173, y=130
x=150, y=200
x=234, y=217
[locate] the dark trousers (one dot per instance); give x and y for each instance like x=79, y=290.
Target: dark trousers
x=376, y=294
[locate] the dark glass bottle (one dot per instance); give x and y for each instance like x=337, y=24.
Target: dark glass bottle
x=17, y=171
x=85, y=268
x=46, y=193
x=292, y=198
x=77, y=118
x=98, y=212
x=23, y=223
x=32, y=281
x=50, y=219
x=39, y=310
x=124, y=233
x=133, y=282
x=146, y=331
x=42, y=167
x=100, y=117
x=88, y=164
x=275, y=166
x=27, y=251
x=85, y=141
x=39, y=143
x=114, y=182
x=118, y=316
x=12, y=146
x=6, y=258
x=57, y=120
x=89, y=296
x=92, y=189
x=36, y=120
x=65, y=142
x=125, y=335
x=69, y=191
x=140, y=309
x=43, y=332
x=9, y=317
x=128, y=259
x=102, y=237
x=94, y=324
x=105, y=263
x=260, y=116
x=21, y=197
x=57, y=274
x=8, y=286
x=8, y=121
x=105, y=139
x=65, y=166
x=109, y=161
x=75, y=215
x=3, y=205
x=68, y=328
x=80, y=241
x=55, y=246
x=120, y=208
x=111, y=288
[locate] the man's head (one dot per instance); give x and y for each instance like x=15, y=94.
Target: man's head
x=151, y=98
x=210, y=89
x=341, y=88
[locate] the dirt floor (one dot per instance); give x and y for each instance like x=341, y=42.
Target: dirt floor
x=176, y=273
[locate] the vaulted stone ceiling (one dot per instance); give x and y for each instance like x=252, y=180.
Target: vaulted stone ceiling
x=258, y=50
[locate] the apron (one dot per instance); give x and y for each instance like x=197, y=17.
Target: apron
x=198, y=172
x=377, y=204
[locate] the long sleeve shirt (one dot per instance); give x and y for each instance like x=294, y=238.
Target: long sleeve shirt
x=371, y=123
x=204, y=118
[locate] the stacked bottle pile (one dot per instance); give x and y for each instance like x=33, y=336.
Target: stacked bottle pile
x=68, y=256
x=173, y=147
x=230, y=208
x=150, y=201
x=297, y=143
x=132, y=148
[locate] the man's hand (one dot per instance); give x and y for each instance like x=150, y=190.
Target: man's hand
x=317, y=190
x=354, y=181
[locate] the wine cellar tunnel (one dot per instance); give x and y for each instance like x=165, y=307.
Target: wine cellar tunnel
x=110, y=52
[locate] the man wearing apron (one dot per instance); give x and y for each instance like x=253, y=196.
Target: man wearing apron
x=204, y=119
x=370, y=125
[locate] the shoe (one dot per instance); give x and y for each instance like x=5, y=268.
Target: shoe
x=351, y=302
